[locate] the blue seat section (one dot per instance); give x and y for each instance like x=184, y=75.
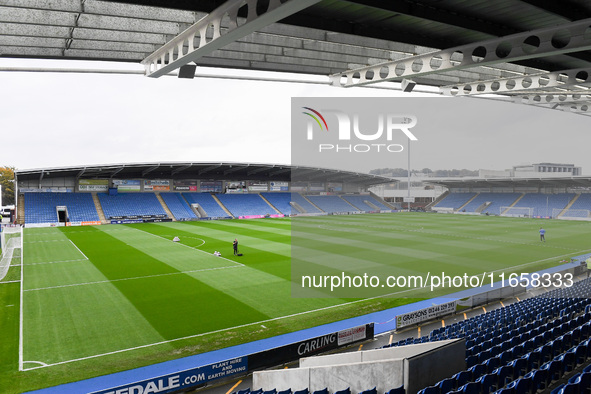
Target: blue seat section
x=280, y=200
x=41, y=207
x=455, y=200
x=332, y=204
x=524, y=347
x=305, y=204
x=130, y=204
x=246, y=204
x=178, y=206
x=360, y=201
x=497, y=201
x=543, y=204
x=583, y=202
x=208, y=203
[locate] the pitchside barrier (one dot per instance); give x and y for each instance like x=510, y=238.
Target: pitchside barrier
x=201, y=376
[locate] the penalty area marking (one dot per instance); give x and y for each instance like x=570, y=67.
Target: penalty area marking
x=243, y=325
x=199, y=335
x=58, y=261
x=135, y=278
x=78, y=249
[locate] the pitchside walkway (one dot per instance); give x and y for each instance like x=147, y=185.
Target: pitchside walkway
x=385, y=321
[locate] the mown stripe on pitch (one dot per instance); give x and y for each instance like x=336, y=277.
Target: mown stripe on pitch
x=175, y=305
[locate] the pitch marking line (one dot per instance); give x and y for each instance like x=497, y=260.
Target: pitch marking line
x=53, y=240
x=78, y=249
x=58, y=261
x=21, y=313
x=10, y=281
x=134, y=278
x=200, y=335
x=35, y=362
x=190, y=247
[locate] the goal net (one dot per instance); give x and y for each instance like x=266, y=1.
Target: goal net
x=571, y=213
x=10, y=239
x=521, y=212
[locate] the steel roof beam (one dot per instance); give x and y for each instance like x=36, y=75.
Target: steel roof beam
x=562, y=78
x=180, y=169
x=561, y=39
x=148, y=170
x=172, y=56
x=552, y=98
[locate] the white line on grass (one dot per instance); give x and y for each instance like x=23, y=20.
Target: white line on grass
x=58, y=261
x=53, y=240
x=134, y=278
x=433, y=232
x=78, y=249
x=202, y=334
x=21, y=320
x=10, y=281
x=261, y=321
x=190, y=247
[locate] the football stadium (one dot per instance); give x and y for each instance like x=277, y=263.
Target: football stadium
x=330, y=274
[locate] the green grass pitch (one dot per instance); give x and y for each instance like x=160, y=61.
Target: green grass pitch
x=101, y=299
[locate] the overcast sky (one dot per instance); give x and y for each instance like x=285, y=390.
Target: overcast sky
x=52, y=120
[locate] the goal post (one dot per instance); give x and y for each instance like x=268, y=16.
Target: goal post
x=11, y=247
x=571, y=213
x=522, y=212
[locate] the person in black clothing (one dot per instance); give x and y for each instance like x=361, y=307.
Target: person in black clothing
x=235, y=245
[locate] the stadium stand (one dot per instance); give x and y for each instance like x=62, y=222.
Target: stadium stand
x=281, y=201
x=178, y=206
x=360, y=201
x=537, y=345
x=582, y=203
x=130, y=204
x=543, y=204
x=305, y=204
x=332, y=204
x=41, y=207
x=455, y=200
x=524, y=347
x=208, y=203
x=496, y=200
x=245, y=204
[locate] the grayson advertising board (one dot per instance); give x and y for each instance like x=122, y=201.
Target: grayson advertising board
x=408, y=319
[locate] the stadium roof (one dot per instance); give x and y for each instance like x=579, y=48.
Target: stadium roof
x=209, y=171
x=532, y=51
x=511, y=182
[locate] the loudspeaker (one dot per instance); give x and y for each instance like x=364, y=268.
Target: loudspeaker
x=408, y=85
x=187, y=71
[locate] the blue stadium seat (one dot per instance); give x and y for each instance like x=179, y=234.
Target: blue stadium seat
x=504, y=374
x=370, y=391
x=178, y=206
x=303, y=391
x=539, y=380
x=397, y=390
x=470, y=388
x=446, y=385
x=523, y=385
x=288, y=391
x=41, y=207
x=345, y=391
x=488, y=383
x=462, y=378
x=430, y=390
